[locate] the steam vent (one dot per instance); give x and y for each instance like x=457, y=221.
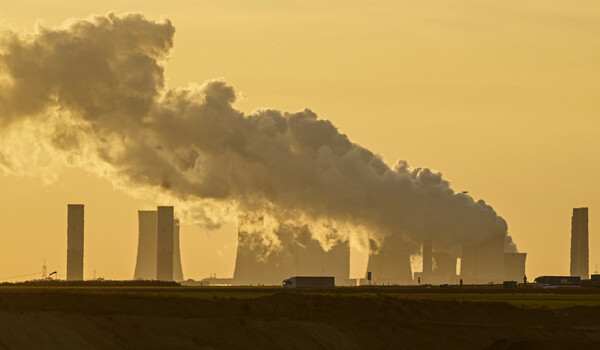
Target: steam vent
x=75, y=242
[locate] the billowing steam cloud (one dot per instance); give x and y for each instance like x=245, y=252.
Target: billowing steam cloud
x=92, y=94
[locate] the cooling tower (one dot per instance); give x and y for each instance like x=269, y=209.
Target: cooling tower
x=514, y=264
x=251, y=263
x=444, y=264
x=389, y=262
x=468, y=264
x=484, y=263
x=145, y=267
x=75, y=223
x=443, y=268
x=269, y=257
x=427, y=248
x=177, y=269
x=164, y=243
x=579, y=243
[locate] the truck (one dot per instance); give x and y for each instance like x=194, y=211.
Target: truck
x=309, y=282
x=558, y=281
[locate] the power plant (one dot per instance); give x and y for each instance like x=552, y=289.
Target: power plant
x=154, y=251
x=265, y=257
x=291, y=251
x=579, y=243
x=75, y=224
x=480, y=264
x=389, y=261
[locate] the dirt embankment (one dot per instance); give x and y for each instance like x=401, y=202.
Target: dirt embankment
x=81, y=320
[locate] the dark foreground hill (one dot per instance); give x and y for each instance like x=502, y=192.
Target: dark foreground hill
x=155, y=318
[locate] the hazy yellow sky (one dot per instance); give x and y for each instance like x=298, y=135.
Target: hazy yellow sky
x=502, y=97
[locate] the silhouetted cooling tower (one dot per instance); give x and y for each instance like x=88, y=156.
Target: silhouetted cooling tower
x=145, y=267
x=165, y=242
x=427, y=262
x=146, y=263
x=444, y=264
x=268, y=258
x=514, y=264
x=484, y=263
x=389, y=262
x=177, y=269
x=579, y=243
x=75, y=223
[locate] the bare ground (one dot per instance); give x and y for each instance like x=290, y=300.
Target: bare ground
x=84, y=319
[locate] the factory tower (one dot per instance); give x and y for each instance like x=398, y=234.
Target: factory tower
x=265, y=257
x=165, y=243
x=75, y=242
x=146, y=265
x=579, y=243
x=177, y=269
x=389, y=261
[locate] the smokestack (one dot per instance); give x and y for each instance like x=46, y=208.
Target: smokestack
x=427, y=248
x=75, y=242
x=165, y=242
x=177, y=268
x=579, y=243
x=145, y=267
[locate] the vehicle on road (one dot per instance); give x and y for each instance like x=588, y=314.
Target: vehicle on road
x=309, y=282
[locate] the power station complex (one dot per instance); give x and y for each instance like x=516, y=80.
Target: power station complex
x=158, y=255
x=293, y=251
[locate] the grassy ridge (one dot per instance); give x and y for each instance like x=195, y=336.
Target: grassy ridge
x=532, y=298
x=166, y=317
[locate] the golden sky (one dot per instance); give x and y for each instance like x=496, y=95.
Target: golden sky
x=500, y=96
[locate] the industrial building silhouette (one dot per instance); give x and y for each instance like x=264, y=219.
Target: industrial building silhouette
x=75, y=225
x=580, y=243
x=292, y=252
x=158, y=256
x=389, y=261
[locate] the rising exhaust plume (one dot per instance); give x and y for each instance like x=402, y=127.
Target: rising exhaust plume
x=92, y=94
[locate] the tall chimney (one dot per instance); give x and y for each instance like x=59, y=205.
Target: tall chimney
x=579, y=243
x=164, y=246
x=75, y=242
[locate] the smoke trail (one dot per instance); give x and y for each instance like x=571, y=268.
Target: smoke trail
x=92, y=93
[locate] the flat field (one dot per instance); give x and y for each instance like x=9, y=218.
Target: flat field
x=105, y=316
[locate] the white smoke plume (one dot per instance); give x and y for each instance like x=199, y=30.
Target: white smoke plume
x=92, y=94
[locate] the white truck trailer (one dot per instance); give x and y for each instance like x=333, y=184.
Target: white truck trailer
x=309, y=282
